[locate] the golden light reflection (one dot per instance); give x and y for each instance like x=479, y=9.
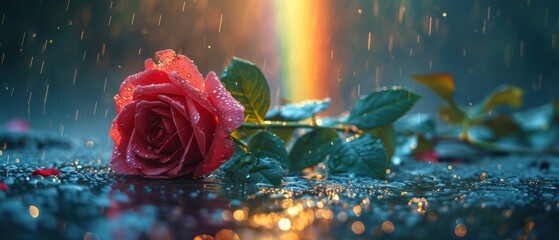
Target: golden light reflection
x=240, y=215
x=357, y=210
x=419, y=205
x=357, y=227
x=292, y=211
x=203, y=237
x=507, y=213
x=460, y=230
x=289, y=236
x=302, y=218
x=325, y=213
x=387, y=227
x=483, y=176
x=226, y=234
x=33, y=211
x=284, y=224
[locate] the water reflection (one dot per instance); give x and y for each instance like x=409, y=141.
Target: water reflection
x=165, y=209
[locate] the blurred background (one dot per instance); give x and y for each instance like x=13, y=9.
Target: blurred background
x=61, y=62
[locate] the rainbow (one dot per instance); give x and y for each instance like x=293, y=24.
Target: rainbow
x=303, y=42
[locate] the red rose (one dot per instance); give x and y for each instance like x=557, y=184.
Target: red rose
x=171, y=122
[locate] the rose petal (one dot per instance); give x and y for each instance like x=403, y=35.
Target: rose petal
x=156, y=168
x=45, y=172
x=132, y=159
x=200, y=110
x=189, y=146
x=220, y=151
x=141, y=142
x=427, y=156
x=172, y=143
x=145, y=119
x=129, y=85
x=202, y=122
x=199, y=96
x=228, y=108
x=184, y=130
x=168, y=62
x=187, y=169
x=231, y=115
x=150, y=92
x=121, y=131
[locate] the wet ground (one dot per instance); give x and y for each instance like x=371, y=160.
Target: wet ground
x=493, y=197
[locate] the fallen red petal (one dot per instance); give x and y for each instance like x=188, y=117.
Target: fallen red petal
x=427, y=156
x=45, y=172
x=4, y=187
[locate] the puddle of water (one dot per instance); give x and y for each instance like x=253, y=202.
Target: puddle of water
x=496, y=197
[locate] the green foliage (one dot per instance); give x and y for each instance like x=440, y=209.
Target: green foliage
x=312, y=148
x=266, y=144
x=539, y=126
x=247, y=168
x=265, y=156
x=387, y=135
x=418, y=129
x=502, y=125
x=359, y=155
x=416, y=124
x=443, y=85
x=247, y=84
x=363, y=142
x=380, y=108
x=298, y=111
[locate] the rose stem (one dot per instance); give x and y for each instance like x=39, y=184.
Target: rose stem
x=241, y=143
x=291, y=125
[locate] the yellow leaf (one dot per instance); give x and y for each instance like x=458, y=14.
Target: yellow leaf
x=511, y=96
x=440, y=83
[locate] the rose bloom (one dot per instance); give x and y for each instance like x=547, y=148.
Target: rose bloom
x=171, y=122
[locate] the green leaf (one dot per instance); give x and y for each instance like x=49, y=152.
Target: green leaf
x=247, y=84
x=247, y=168
x=387, y=135
x=424, y=144
x=284, y=134
x=312, y=148
x=359, y=155
x=536, y=119
x=266, y=144
x=441, y=83
x=381, y=108
x=511, y=96
x=451, y=114
x=414, y=124
x=502, y=125
x=230, y=163
x=298, y=111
